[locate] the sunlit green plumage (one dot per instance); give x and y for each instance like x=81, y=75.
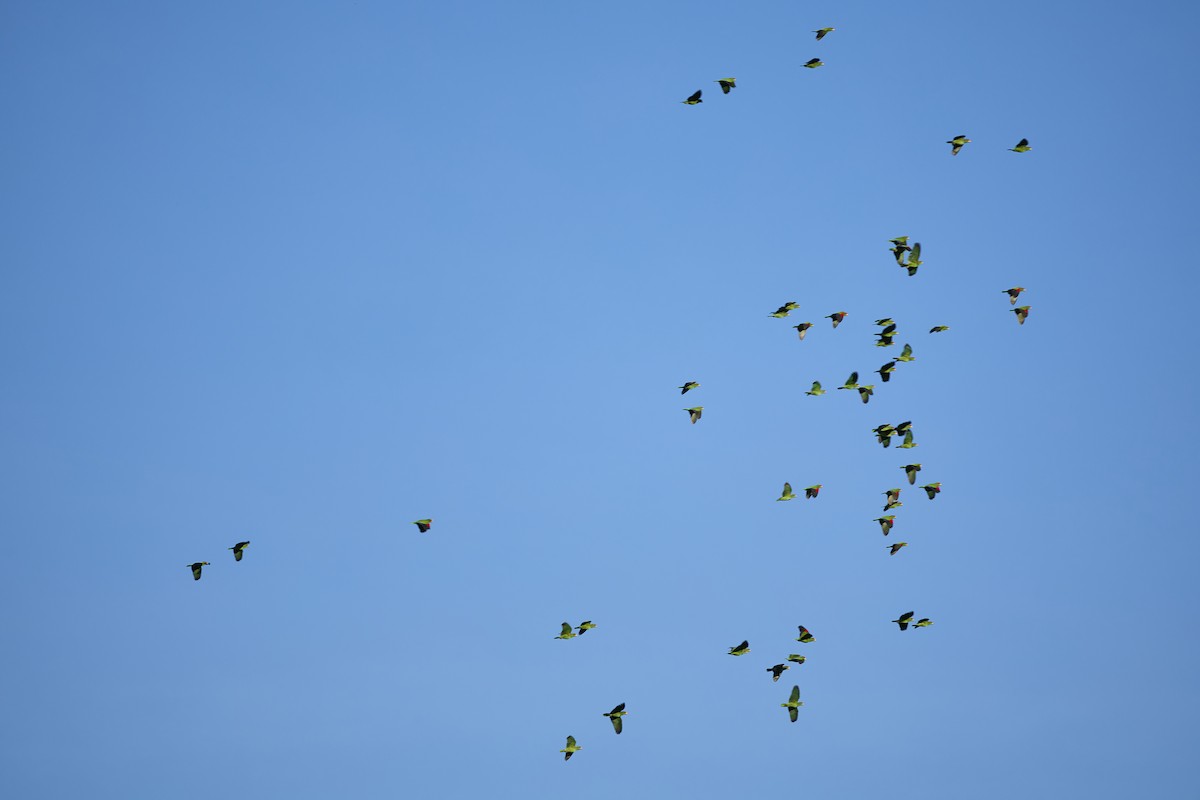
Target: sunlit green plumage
x=1013, y=294
x=957, y=143
x=866, y=391
x=237, y=550
x=1022, y=313
x=914, y=259
x=813, y=63
x=908, y=441
x=740, y=650
x=693, y=99
x=197, y=568
x=784, y=310
x=816, y=390
x=796, y=658
x=585, y=626
x=571, y=748
x=895, y=548
x=885, y=372
x=787, y=493
x=906, y=354
x=802, y=329
x=851, y=382
x=726, y=84
x=911, y=471
x=567, y=632
x=939, y=328
x=932, y=489
x=793, y=704
x=886, y=523
x=892, y=495
x=904, y=619
x=687, y=387
x=923, y=622
x=424, y=525
x=837, y=317
x=694, y=413
x=805, y=637
x=1022, y=147
x=823, y=32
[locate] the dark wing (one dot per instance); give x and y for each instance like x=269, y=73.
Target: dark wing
x=695, y=96
x=618, y=709
x=616, y=721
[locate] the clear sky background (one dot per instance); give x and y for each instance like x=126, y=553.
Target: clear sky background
x=301, y=273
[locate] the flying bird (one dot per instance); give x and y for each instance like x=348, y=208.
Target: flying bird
x=908, y=441
x=726, y=84
x=939, y=328
x=691, y=101
x=1013, y=294
x=805, y=637
x=886, y=371
x=851, y=382
x=694, y=413
x=687, y=387
x=904, y=620
x=865, y=392
x=784, y=310
x=883, y=323
x=776, y=671
x=932, y=489
x=895, y=548
x=615, y=715
x=923, y=622
x=802, y=329
x=787, y=493
x=914, y=260
x=585, y=626
x=957, y=143
x=906, y=354
x=567, y=632
x=423, y=525
x=1022, y=313
x=740, y=650
x=911, y=471
x=823, y=32
x=197, y=568
x=813, y=63
x=904, y=427
x=793, y=704
x=887, y=522
x=796, y=658
x=571, y=748
x=816, y=390
x=837, y=317
x=893, y=496
x=1022, y=147
x=237, y=550
x=812, y=491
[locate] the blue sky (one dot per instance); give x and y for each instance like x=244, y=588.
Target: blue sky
x=301, y=273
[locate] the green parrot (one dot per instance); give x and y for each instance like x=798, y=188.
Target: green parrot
x=865, y=392
x=816, y=390
x=886, y=371
x=567, y=632
x=237, y=550
x=851, y=382
x=571, y=748
x=891, y=506
x=1022, y=147
x=900, y=248
x=805, y=637
x=906, y=354
x=904, y=427
x=776, y=671
x=887, y=522
x=691, y=101
x=905, y=618
x=908, y=441
x=793, y=704
x=802, y=329
x=932, y=489
x=1013, y=294
x=585, y=626
x=883, y=323
x=687, y=387
x=787, y=493
x=885, y=339
x=740, y=650
x=726, y=84
x=911, y=470
x=812, y=491
x=901, y=241
x=923, y=622
x=823, y=32
x=914, y=260
x=957, y=143
x=694, y=413
x=423, y=525
x=614, y=717
x=813, y=63
x=1022, y=312
x=837, y=317
x=896, y=547
x=883, y=434
x=893, y=496
x=796, y=658
x=939, y=328
x=784, y=310
x=197, y=568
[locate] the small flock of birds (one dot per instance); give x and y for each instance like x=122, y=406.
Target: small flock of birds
x=906, y=256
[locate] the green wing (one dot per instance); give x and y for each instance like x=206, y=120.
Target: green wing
x=793, y=713
x=616, y=721
x=566, y=628
x=795, y=694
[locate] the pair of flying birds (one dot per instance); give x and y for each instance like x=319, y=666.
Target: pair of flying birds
x=199, y=566
x=809, y=492
x=567, y=631
x=957, y=143
x=614, y=717
x=905, y=620
x=726, y=85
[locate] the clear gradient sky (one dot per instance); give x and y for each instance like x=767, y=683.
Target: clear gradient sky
x=303, y=272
